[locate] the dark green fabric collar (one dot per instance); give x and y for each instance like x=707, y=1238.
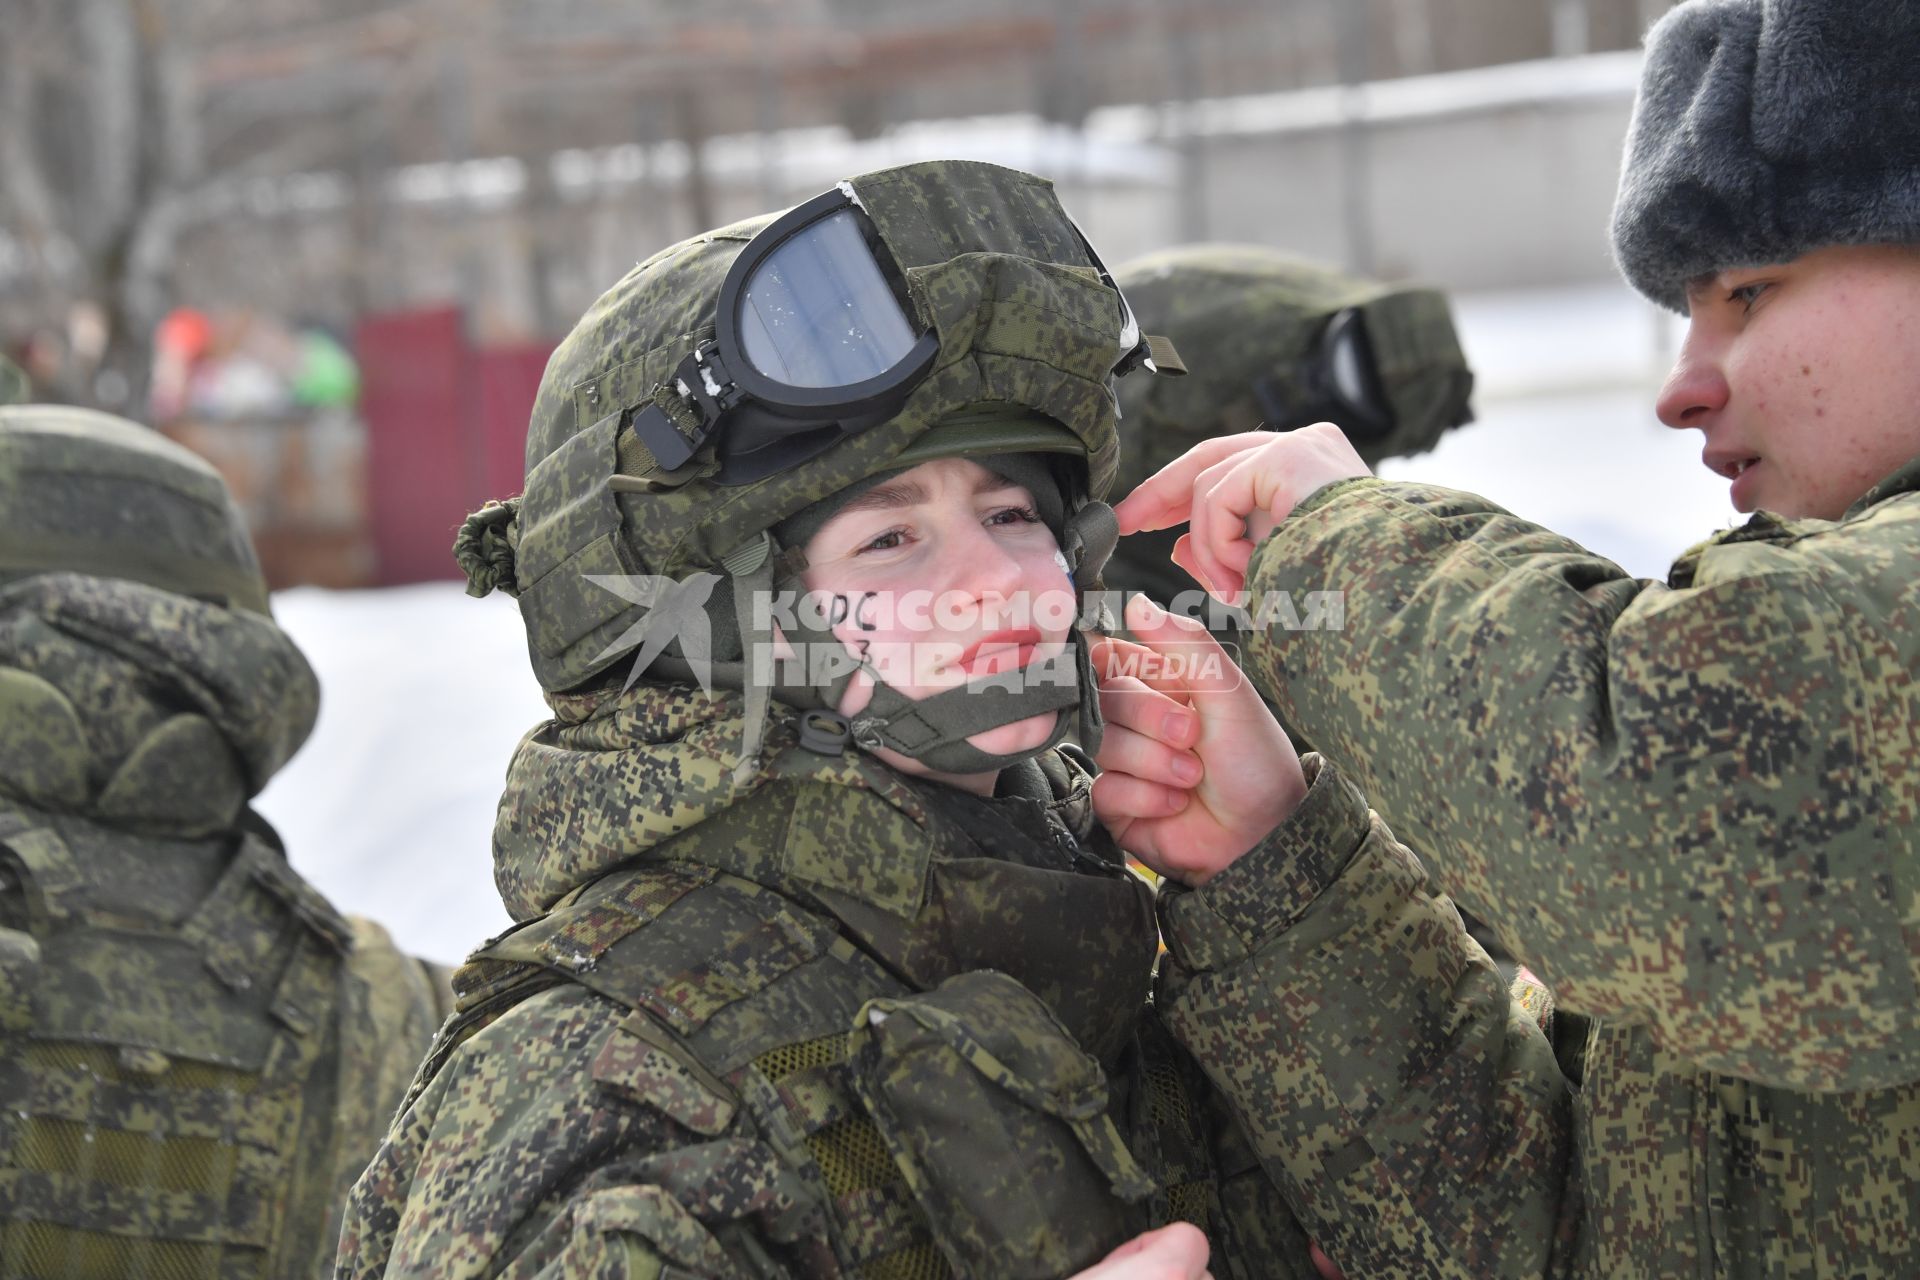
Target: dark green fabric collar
x=1905, y=480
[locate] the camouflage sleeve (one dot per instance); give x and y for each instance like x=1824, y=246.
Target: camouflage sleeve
x=1689, y=807
x=556, y=1143
x=1412, y=1114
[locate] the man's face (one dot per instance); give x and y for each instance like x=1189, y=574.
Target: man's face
x=941, y=575
x=1803, y=376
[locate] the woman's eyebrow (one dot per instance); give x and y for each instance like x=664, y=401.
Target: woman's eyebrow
x=890, y=496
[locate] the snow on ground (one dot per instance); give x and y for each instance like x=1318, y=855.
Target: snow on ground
x=390, y=806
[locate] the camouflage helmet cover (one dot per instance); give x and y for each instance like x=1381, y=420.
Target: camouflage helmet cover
x=1242, y=312
x=86, y=492
x=992, y=265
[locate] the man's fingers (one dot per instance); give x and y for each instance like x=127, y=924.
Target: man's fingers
x=1232, y=494
x=1119, y=798
x=1130, y=704
x=1133, y=671
x=1140, y=755
x=1165, y=498
x=1203, y=668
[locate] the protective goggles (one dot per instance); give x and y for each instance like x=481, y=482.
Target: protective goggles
x=814, y=341
x=1337, y=381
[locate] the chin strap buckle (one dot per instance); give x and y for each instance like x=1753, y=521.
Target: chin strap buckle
x=826, y=733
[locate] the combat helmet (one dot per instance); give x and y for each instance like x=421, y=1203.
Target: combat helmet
x=1276, y=343
x=947, y=309
x=86, y=492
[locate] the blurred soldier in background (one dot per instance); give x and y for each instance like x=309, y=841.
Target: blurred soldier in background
x=197, y=1052
x=1275, y=342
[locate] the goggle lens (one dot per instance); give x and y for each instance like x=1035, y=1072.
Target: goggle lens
x=817, y=312
x=1349, y=371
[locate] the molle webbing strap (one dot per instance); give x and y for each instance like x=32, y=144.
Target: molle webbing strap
x=782, y=942
x=883, y=1229
x=144, y=1219
x=241, y=923
x=623, y=904
x=38, y=865
x=568, y=941
x=726, y=942
x=303, y=1001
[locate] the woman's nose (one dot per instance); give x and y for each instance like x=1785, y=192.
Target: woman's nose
x=983, y=566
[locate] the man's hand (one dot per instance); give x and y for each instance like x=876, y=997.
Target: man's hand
x=1194, y=768
x=1177, y=1251
x=1232, y=491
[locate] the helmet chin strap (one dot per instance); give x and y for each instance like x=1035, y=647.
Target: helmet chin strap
x=934, y=730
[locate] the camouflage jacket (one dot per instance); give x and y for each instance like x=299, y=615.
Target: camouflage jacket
x=198, y=1054
x=816, y=1023
x=1691, y=808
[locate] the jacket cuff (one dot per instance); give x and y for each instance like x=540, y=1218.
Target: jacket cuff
x=1271, y=885
x=1328, y=492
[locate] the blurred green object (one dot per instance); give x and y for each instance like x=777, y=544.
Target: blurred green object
x=15, y=387
x=327, y=376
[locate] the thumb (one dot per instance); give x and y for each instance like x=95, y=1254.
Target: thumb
x=1193, y=663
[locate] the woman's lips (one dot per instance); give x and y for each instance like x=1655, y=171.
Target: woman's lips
x=1001, y=651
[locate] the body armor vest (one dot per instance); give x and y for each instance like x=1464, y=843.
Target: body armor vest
x=169, y=1056
x=852, y=1076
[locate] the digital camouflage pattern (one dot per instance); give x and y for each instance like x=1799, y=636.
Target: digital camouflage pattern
x=1239, y=313
x=829, y=1022
x=197, y=1051
x=1691, y=808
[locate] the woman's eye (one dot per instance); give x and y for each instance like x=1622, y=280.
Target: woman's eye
x=1014, y=515
x=888, y=541
x=1748, y=294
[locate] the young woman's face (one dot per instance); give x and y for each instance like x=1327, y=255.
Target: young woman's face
x=1803, y=377
x=939, y=575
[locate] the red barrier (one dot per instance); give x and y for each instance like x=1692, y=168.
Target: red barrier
x=446, y=425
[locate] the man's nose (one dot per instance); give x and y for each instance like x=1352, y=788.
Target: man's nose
x=1696, y=390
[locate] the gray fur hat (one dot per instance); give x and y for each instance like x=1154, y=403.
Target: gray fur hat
x=1765, y=129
